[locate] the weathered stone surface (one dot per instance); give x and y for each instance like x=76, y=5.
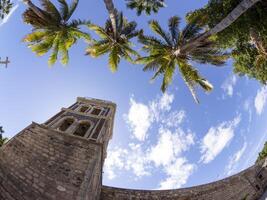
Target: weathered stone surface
x=245, y=185
x=40, y=163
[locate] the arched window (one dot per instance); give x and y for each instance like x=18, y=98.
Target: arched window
x=82, y=128
x=96, y=111
x=83, y=109
x=66, y=124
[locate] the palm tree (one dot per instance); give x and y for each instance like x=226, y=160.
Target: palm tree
x=163, y=57
x=115, y=41
x=2, y=140
x=241, y=8
x=5, y=7
x=147, y=6
x=52, y=29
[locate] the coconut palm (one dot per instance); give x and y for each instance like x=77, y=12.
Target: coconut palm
x=5, y=7
x=114, y=41
x=165, y=55
x=52, y=29
x=147, y=6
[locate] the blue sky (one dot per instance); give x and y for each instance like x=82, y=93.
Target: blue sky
x=160, y=141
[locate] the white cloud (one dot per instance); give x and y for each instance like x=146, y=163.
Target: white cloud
x=228, y=85
x=139, y=119
x=177, y=174
x=136, y=161
x=141, y=116
x=5, y=20
x=132, y=159
x=170, y=146
x=260, y=100
x=216, y=139
x=166, y=155
x=114, y=161
x=233, y=161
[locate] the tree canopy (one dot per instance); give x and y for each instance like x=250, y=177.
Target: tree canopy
x=5, y=7
x=146, y=6
x=2, y=140
x=263, y=154
x=247, y=36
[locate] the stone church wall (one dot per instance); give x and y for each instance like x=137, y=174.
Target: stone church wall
x=42, y=164
x=247, y=185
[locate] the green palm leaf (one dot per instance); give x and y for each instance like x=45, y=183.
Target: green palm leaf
x=117, y=44
x=146, y=6
x=154, y=25
x=52, y=30
x=166, y=53
x=114, y=59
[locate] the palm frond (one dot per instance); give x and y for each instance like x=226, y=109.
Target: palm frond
x=99, y=31
x=35, y=36
x=63, y=51
x=53, y=57
x=168, y=74
x=42, y=47
x=114, y=59
x=78, y=22
x=146, y=6
x=174, y=27
x=51, y=9
x=64, y=9
x=72, y=8
x=154, y=25
x=96, y=50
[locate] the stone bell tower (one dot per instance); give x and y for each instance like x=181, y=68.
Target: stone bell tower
x=61, y=159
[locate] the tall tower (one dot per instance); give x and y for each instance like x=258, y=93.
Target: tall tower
x=61, y=159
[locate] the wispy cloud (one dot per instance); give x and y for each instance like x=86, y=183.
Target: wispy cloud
x=216, y=139
x=228, y=85
x=234, y=160
x=175, y=118
x=260, y=100
x=6, y=19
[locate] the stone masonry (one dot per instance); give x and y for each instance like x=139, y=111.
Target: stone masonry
x=62, y=159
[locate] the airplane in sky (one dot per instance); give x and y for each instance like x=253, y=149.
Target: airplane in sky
x=5, y=62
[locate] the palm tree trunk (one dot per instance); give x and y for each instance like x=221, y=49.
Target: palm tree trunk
x=241, y=8
x=112, y=13
x=34, y=8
